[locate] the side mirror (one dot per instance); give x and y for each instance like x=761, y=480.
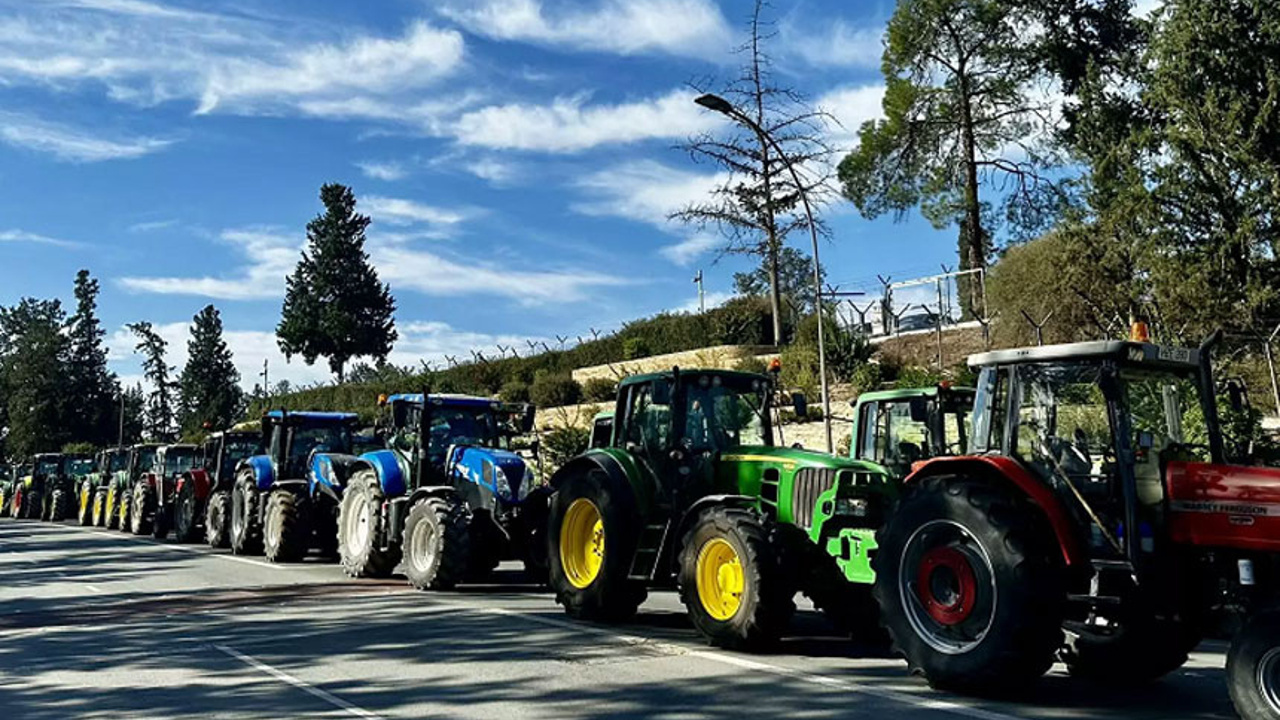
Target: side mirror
x=527, y=418
x=919, y=410
x=661, y=392
x=800, y=404
x=1236, y=396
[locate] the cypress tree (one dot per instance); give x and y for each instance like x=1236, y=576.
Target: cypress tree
x=209, y=382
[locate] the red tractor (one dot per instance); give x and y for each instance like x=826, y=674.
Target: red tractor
x=1094, y=520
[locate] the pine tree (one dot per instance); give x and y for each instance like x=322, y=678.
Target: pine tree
x=91, y=393
x=159, y=418
x=210, y=390
x=33, y=365
x=335, y=307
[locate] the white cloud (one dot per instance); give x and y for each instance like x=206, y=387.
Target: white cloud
x=646, y=191
x=837, y=44
x=569, y=125
x=851, y=106
x=434, y=273
x=712, y=300
x=432, y=341
x=72, y=144
x=685, y=252
x=22, y=236
x=270, y=256
x=152, y=226
x=388, y=171
x=497, y=172
x=398, y=211
x=678, y=27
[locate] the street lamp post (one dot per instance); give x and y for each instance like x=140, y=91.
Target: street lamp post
x=724, y=107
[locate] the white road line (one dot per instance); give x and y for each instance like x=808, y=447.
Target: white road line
x=300, y=684
x=926, y=703
x=94, y=588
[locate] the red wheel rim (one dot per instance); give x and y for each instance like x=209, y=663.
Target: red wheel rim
x=947, y=585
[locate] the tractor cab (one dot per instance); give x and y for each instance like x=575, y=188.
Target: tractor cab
x=451, y=421
x=601, y=430
x=141, y=459
x=292, y=437
x=47, y=465
x=222, y=452
x=899, y=428
x=80, y=466
x=173, y=460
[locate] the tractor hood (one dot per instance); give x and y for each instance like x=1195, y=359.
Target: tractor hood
x=503, y=473
x=787, y=458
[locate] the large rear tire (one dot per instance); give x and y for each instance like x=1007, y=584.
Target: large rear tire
x=1142, y=652
x=285, y=533
x=971, y=586
x=59, y=506
x=850, y=606
x=359, y=551
x=5, y=508
x=437, y=543
x=142, y=509
x=186, y=513
x=246, y=531
x=1253, y=668
x=111, y=508
x=591, y=541
x=732, y=581
x=124, y=505
x=217, y=520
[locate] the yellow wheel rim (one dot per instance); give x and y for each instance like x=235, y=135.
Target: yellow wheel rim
x=720, y=579
x=582, y=543
x=111, y=501
x=84, y=501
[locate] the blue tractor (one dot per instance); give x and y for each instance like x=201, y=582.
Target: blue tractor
x=447, y=494
x=285, y=502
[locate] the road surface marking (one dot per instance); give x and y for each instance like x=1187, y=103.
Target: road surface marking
x=300, y=684
x=94, y=588
x=935, y=704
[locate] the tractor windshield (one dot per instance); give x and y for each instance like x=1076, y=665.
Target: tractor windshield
x=47, y=467
x=146, y=459
x=323, y=438
x=80, y=466
x=723, y=412
x=179, y=461
x=1063, y=425
x=119, y=461
x=463, y=426
x=1165, y=415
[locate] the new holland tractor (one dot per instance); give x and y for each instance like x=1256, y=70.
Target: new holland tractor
x=447, y=494
x=1093, y=519
x=117, y=501
x=152, y=497
x=691, y=489
x=284, y=502
x=202, y=494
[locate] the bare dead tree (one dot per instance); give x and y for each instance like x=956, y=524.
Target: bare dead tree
x=757, y=207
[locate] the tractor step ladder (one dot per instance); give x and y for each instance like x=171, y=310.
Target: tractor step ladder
x=648, y=550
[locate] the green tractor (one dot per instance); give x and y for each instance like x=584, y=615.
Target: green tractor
x=899, y=428
x=95, y=489
x=8, y=483
x=31, y=489
x=690, y=489
x=120, y=485
x=60, y=487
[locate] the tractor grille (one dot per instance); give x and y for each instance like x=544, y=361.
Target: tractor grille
x=809, y=484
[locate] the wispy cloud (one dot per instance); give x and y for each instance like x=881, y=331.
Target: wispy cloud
x=694, y=28
x=72, y=144
x=497, y=172
x=400, y=211
x=851, y=106
x=270, y=255
x=685, y=252
x=152, y=226
x=570, y=124
x=837, y=43
x=22, y=236
x=388, y=171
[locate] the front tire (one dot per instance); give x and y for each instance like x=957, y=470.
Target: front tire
x=217, y=520
x=59, y=506
x=99, y=508
x=111, y=508
x=285, y=531
x=732, y=581
x=358, y=520
x=1253, y=668
x=84, y=503
x=142, y=509
x=970, y=586
x=591, y=540
x=186, y=512
x=246, y=532
x=437, y=543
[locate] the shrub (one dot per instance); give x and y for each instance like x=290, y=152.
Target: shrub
x=800, y=369
x=600, y=389
x=866, y=377
x=635, y=348
x=554, y=390
x=751, y=365
x=514, y=391
x=561, y=444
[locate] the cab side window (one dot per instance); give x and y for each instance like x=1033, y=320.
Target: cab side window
x=648, y=423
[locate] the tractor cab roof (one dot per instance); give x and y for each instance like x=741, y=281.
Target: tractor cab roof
x=311, y=417
x=930, y=391
x=446, y=400
x=236, y=434
x=180, y=447
x=46, y=456
x=668, y=374
x=1137, y=354
x=145, y=446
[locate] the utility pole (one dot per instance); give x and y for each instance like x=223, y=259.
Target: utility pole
x=266, y=378
x=120, y=437
x=702, y=296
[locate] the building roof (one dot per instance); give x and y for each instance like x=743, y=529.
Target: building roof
x=1134, y=353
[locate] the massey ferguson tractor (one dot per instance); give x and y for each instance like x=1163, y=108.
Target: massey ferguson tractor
x=202, y=494
x=446, y=494
x=285, y=502
x=153, y=492
x=1092, y=519
x=691, y=490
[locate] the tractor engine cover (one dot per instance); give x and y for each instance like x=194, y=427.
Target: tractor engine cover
x=1231, y=506
x=503, y=473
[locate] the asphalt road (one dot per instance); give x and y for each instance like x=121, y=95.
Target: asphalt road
x=98, y=624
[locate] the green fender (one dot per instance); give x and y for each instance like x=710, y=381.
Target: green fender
x=618, y=464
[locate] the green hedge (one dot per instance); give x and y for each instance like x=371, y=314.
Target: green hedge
x=741, y=321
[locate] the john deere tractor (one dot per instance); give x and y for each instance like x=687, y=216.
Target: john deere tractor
x=118, y=500
x=30, y=491
x=202, y=494
x=98, y=484
x=281, y=503
x=60, y=489
x=691, y=490
x=1094, y=520
x=9, y=484
x=447, y=493
x=899, y=428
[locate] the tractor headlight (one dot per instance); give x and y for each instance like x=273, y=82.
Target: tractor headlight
x=855, y=507
x=526, y=483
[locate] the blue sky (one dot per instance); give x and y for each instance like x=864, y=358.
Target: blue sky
x=516, y=157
